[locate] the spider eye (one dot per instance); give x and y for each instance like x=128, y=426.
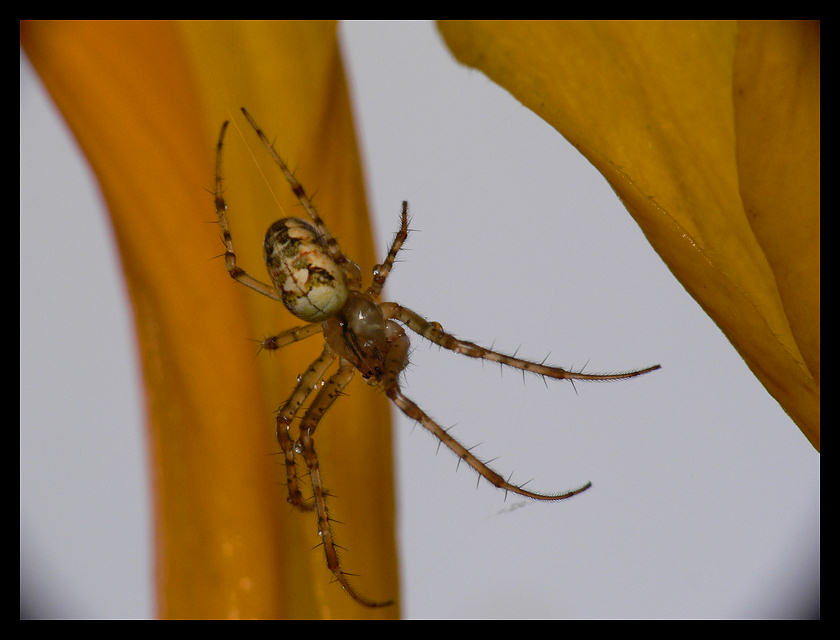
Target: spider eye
x=372, y=376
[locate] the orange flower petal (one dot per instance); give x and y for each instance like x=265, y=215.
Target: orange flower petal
x=709, y=133
x=145, y=100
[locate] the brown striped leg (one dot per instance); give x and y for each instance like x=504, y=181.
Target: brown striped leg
x=221, y=214
x=394, y=364
x=307, y=382
x=381, y=271
x=323, y=401
x=354, y=275
x=289, y=336
x=327, y=395
x=433, y=332
x=416, y=413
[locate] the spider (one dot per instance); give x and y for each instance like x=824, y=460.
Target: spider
x=316, y=282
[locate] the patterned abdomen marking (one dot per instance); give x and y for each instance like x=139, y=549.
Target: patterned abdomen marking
x=311, y=284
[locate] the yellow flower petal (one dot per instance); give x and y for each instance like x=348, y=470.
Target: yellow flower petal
x=146, y=100
x=709, y=133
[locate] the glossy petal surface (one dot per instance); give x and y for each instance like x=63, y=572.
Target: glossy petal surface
x=145, y=101
x=709, y=133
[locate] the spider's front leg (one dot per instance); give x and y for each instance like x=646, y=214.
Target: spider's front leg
x=323, y=401
x=381, y=271
x=433, y=332
x=395, y=362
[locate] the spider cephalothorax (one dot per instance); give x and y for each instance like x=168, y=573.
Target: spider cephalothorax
x=316, y=282
x=361, y=334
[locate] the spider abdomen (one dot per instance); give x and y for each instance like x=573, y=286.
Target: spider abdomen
x=313, y=287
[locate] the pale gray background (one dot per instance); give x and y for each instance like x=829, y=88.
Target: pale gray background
x=706, y=497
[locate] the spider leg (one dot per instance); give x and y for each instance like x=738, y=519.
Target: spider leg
x=433, y=332
x=414, y=412
x=327, y=395
x=221, y=213
x=306, y=383
x=352, y=271
x=291, y=335
x=394, y=364
x=323, y=401
x=381, y=271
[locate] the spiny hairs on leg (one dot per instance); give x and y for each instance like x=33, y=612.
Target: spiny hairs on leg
x=325, y=527
x=324, y=399
x=287, y=337
x=307, y=382
x=235, y=272
x=319, y=407
x=433, y=332
x=394, y=365
x=414, y=412
x=381, y=271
